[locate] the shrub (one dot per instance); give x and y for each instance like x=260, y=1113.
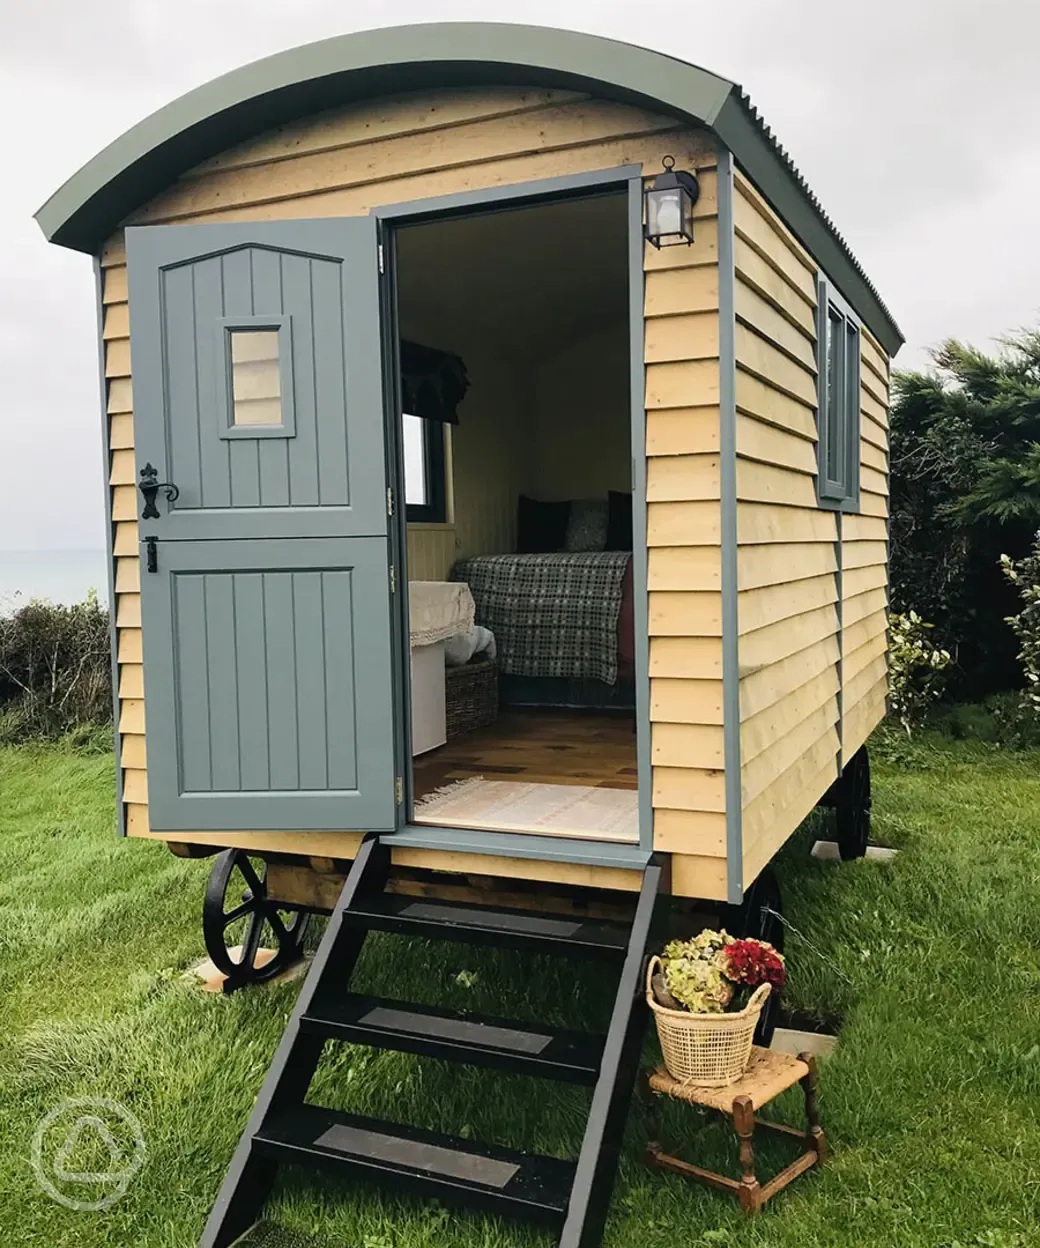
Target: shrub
x=55, y=670
x=1024, y=574
x=916, y=668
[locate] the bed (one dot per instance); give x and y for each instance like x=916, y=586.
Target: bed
x=563, y=625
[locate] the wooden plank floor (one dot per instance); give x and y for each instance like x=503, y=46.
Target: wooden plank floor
x=537, y=747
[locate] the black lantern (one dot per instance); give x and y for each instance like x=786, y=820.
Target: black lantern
x=669, y=206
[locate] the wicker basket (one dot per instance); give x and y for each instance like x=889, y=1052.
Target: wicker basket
x=470, y=696
x=705, y=1050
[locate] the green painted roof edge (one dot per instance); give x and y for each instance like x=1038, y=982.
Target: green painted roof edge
x=83, y=212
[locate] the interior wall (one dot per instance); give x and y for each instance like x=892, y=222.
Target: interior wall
x=582, y=438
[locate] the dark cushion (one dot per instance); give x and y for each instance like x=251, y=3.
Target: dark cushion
x=587, y=525
x=540, y=527
x=619, y=521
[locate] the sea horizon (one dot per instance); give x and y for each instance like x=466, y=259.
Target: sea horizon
x=58, y=576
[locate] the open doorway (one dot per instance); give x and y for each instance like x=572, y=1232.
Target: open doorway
x=517, y=449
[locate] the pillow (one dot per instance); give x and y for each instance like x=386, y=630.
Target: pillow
x=587, y=525
x=619, y=521
x=540, y=527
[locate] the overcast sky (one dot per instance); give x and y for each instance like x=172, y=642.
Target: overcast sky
x=913, y=120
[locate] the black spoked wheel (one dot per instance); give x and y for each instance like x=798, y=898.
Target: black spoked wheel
x=852, y=806
x=239, y=920
x=758, y=917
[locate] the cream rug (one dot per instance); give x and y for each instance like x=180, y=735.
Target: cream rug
x=540, y=809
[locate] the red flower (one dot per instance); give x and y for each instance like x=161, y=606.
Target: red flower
x=754, y=962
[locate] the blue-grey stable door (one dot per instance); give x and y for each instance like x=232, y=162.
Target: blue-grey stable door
x=265, y=578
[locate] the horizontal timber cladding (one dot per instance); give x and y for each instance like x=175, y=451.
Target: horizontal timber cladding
x=787, y=547
x=812, y=602
x=436, y=143
x=865, y=562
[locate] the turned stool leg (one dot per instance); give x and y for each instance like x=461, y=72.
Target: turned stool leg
x=750, y=1193
x=816, y=1137
x=648, y=1100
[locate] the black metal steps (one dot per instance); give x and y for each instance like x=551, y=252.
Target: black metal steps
x=282, y=1127
x=484, y=925
x=474, y=1039
x=497, y=1180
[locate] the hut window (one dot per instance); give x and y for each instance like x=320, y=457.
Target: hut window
x=256, y=368
x=838, y=417
x=425, y=492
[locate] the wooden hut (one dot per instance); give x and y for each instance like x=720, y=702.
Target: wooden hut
x=432, y=330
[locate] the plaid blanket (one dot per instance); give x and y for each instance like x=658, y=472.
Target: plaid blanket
x=552, y=615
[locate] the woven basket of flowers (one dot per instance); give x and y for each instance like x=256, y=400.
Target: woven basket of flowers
x=706, y=995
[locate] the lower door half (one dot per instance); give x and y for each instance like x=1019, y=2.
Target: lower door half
x=268, y=685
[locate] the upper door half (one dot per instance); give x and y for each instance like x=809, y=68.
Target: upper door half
x=251, y=395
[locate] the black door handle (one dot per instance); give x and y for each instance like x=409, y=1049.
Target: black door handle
x=149, y=487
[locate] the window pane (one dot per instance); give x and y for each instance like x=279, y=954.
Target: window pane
x=835, y=442
x=414, y=461
x=851, y=380
x=256, y=377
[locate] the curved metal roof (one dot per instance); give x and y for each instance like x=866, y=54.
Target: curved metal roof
x=317, y=76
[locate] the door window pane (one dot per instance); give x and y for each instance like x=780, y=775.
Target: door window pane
x=256, y=377
x=415, y=474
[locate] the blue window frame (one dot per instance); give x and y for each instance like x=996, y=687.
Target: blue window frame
x=838, y=402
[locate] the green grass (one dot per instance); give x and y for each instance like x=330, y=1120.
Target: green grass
x=930, y=1102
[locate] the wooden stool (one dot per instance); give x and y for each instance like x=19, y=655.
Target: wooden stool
x=768, y=1074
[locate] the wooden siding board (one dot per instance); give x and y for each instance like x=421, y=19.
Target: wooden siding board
x=685, y=383
x=682, y=478
x=765, y=483
x=685, y=336
x=759, y=315
x=772, y=285
x=681, y=614
x=763, y=731
x=767, y=444
x=761, y=232
x=765, y=402
x=758, y=356
x=688, y=658
x=682, y=431
x=770, y=524
x=759, y=607
x=774, y=642
x=682, y=524
x=673, y=745
x=690, y=832
x=369, y=121
x=685, y=701
x=685, y=568
x=758, y=774
x=758, y=566
x=765, y=688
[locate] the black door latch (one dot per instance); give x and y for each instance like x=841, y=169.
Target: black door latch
x=151, y=554
x=149, y=487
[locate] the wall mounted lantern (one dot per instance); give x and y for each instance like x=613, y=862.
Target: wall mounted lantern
x=669, y=206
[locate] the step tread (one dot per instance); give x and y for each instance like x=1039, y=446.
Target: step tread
x=525, y=1181
x=387, y=1023
x=457, y=920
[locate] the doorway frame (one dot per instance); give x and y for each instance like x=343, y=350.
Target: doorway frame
x=627, y=179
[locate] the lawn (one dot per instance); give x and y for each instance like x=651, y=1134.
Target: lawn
x=930, y=1101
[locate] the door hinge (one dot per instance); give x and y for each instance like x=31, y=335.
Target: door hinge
x=393, y=579
x=151, y=554
x=389, y=500
x=399, y=790
x=379, y=251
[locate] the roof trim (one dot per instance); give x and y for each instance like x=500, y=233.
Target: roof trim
x=317, y=76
